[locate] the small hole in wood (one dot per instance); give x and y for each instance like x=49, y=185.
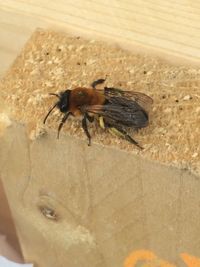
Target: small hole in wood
x=49, y=213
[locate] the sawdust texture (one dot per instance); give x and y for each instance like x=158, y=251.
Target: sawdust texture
x=53, y=61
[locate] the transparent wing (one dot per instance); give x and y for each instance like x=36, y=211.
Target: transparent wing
x=128, y=114
x=142, y=99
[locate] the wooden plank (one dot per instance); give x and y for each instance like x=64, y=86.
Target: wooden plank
x=15, y=29
x=7, y=227
x=99, y=206
x=168, y=28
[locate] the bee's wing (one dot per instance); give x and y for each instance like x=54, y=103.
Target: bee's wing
x=130, y=115
x=142, y=99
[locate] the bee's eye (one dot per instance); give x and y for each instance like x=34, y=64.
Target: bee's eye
x=63, y=103
x=63, y=108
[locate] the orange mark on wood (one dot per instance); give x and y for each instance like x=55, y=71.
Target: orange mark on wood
x=190, y=261
x=148, y=256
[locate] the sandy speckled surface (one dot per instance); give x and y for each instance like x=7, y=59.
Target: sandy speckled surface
x=52, y=61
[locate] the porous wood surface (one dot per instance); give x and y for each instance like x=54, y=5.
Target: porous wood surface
x=53, y=61
x=170, y=29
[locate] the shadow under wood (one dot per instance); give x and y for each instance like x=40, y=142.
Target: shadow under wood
x=7, y=227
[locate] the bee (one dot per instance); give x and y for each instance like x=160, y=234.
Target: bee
x=115, y=109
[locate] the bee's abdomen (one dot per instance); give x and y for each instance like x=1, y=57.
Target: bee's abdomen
x=137, y=119
x=127, y=113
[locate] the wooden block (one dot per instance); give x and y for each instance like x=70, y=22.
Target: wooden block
x=9, y=245
x=169, y=29
x=110, y=203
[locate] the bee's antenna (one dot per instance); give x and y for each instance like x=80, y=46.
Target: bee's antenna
x=49, y=113
x=55, y=94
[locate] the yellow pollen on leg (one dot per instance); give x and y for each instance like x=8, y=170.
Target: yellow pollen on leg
x=115, y=132
x=101, y=122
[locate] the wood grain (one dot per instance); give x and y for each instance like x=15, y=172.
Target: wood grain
x=168, y=28
x=75, y=205
x=7, y=228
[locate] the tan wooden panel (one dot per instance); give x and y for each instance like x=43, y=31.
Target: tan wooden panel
x=170, y=28
x=107, y=204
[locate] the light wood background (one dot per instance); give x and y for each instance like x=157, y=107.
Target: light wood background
x=169, y=28
x=7, y=230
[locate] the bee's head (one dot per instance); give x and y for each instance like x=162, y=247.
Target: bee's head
x=62, y=104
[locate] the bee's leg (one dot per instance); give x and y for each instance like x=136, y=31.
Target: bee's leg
x=90, y=118
x=95, y=83
x=62, y=122
x=101, y=122
x=85, y=128
x=120, y=132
